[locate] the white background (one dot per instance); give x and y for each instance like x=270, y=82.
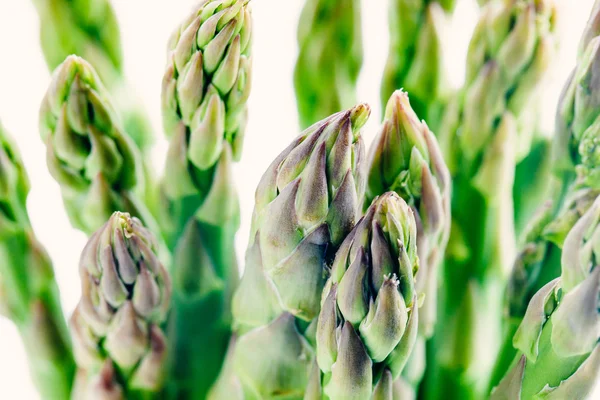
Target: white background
x=145, y=27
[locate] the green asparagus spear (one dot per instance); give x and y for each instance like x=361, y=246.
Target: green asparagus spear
x=405, y=158
x=89, y=29
x=576, y=187
x=329, y=60
x=484, y=137
x=205, y=89
x=369, y=319
x=116, y=326
x=416, y=60
x=28, y=292
x=306, y=203
x=96, y=165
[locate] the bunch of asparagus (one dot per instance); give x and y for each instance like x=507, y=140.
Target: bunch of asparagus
x=414, y=269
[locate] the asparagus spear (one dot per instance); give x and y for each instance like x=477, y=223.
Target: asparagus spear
x=484, y=139
x=89, y=29
x=329, y=60
x=405, y=158
x=369, y=320
x=205, y=89
x=557, y=341
x=575, y=189
x=97, y=167
x=119, y=345
x=306, y=203
x=577, y=125
x=28, y=292
x=416, y=60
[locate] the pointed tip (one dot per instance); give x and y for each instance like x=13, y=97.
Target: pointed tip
x=359, y=115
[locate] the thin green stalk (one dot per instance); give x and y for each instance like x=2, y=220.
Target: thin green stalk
x=416, y=59
x=533, y=182
x=29, y=295
x=329, y=59
x=205, y=89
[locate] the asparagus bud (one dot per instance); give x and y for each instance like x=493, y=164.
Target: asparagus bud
x=125, y=299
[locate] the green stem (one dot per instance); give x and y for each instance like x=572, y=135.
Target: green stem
x=205, y=274
x=471, y=299
x=33, y=303
x=532, y=183
x=507, y=353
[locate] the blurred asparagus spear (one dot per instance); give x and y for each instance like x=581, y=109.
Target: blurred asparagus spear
x=483, y=140
x=28, y=292
x=89, y=29
x=416, y=61
x=205, y=89
x=576, y=186
x=96, y=165
x=330, y=58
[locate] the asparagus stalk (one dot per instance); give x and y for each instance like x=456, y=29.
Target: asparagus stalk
x=576, y=187
x=205, y=89
x=96, y=165
x=369, y=320
x=119, y=345
x=306, y=203
x=533, y=182
x=484, y=140
x=329, y=58
x=28, y=292
x=89, y=29
x=416, y=60
x=405, y=158
x=557, y=341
